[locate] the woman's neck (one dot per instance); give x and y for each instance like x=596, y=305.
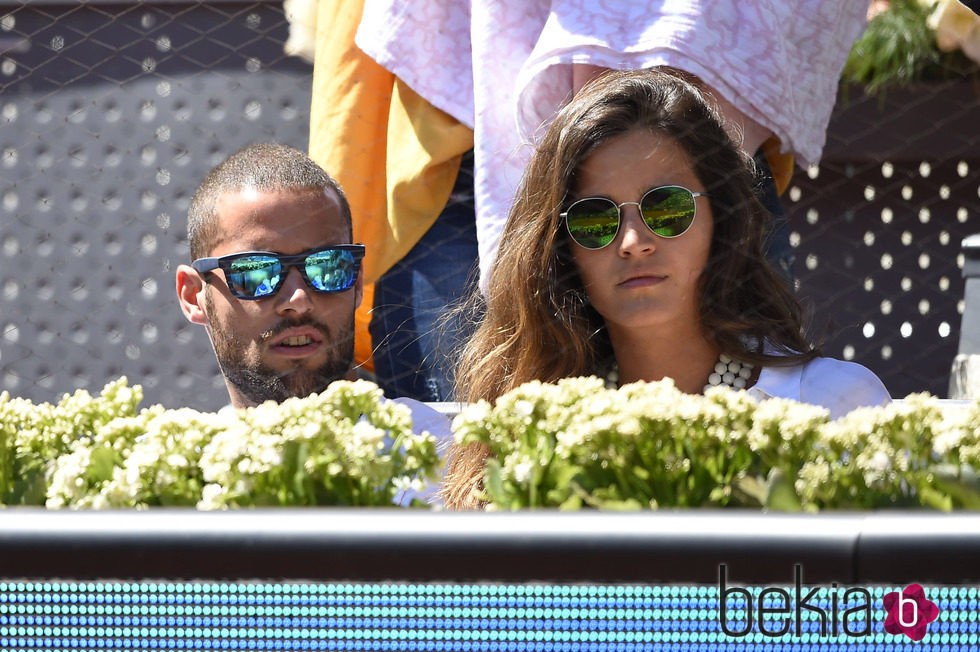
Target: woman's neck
x=688, y=358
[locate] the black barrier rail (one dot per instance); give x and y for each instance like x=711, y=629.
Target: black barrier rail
x=399, y=545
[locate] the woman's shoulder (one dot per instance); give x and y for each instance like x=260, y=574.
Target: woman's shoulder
x=841, y=385
x=838, y=385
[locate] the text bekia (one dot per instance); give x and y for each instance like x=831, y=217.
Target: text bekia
x=779, y=611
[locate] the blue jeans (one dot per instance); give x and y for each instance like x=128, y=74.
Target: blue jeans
x=779, y=253
x=413, y=341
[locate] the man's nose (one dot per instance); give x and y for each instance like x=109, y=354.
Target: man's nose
x=294, y=295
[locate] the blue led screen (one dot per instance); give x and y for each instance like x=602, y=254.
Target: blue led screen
x=64, y=615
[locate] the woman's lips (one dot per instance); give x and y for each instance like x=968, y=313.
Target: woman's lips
x=642, y=281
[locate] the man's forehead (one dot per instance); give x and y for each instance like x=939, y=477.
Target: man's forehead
x=286, y=218
x=251, y=194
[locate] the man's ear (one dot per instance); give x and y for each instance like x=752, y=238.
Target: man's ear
x=190, y=294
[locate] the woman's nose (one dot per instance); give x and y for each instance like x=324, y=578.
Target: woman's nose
x=635, y=236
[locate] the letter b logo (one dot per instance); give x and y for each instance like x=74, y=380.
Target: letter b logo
x=908, y=611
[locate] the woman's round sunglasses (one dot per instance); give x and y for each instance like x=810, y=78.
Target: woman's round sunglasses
x=255, y=275
x=668, y=211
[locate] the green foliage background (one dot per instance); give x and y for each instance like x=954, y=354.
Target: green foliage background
x=898, y=49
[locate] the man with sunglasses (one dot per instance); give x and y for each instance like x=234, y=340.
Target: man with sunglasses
x=275, y=278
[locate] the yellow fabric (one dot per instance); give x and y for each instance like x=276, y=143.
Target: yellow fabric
x=780, y=163
x=395, y=155
x=425, y=146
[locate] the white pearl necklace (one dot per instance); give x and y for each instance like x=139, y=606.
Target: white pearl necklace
x=727, y=371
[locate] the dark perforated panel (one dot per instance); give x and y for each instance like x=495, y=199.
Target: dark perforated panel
x=110, y=119
x=886, y=274
x=879, y=225
x=111, y=113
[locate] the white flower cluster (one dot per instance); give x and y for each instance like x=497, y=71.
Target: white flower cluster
x=575, y=443
x=33, y=436
x=346, y=446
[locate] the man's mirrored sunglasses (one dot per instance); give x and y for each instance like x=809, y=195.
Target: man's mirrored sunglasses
x=255, y=275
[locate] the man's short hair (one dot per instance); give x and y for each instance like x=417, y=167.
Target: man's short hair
x=266, y=167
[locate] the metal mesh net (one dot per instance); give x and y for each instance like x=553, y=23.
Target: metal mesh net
x=112, y=112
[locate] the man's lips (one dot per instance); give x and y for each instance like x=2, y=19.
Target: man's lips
x=296, y=342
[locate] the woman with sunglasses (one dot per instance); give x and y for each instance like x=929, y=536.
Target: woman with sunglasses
x=633, y=251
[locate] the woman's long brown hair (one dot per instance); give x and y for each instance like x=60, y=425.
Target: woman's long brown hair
x=537, y=323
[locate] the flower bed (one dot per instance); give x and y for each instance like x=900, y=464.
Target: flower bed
x=648, y=445
x=568, y=445
x=346, y=446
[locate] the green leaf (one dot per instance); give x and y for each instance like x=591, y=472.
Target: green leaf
x=493, y=483
x=29, y=489
x=294, y=476
x=782, y=496
x=722, y=495
x=961, y=485
x=571, y=504
x=935, y=499
x=626, y=505
x=101, y=464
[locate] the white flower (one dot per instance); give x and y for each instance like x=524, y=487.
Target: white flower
x=365, y=439
x=212, y=497
x=876, y=468
x=521, y=471
x=408, y=483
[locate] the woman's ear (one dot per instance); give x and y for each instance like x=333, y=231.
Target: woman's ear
x=190, y=294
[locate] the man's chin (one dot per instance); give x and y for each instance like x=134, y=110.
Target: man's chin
x=267, y=385
x=302, y=382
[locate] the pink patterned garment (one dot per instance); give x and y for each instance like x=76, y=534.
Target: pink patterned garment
x=503, y=67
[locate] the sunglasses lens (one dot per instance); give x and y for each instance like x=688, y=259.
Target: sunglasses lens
x=668, y=211
x=332, y=270
x=593, y=222
x=254, y=277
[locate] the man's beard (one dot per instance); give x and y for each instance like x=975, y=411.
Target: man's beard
x=257, y=382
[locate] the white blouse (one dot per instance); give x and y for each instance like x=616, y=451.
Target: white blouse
x=837, y=385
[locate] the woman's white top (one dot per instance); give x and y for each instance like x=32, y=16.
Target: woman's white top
x=837, y=385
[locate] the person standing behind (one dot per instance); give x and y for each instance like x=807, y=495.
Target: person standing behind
x=407, y=167
x=506, y=67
